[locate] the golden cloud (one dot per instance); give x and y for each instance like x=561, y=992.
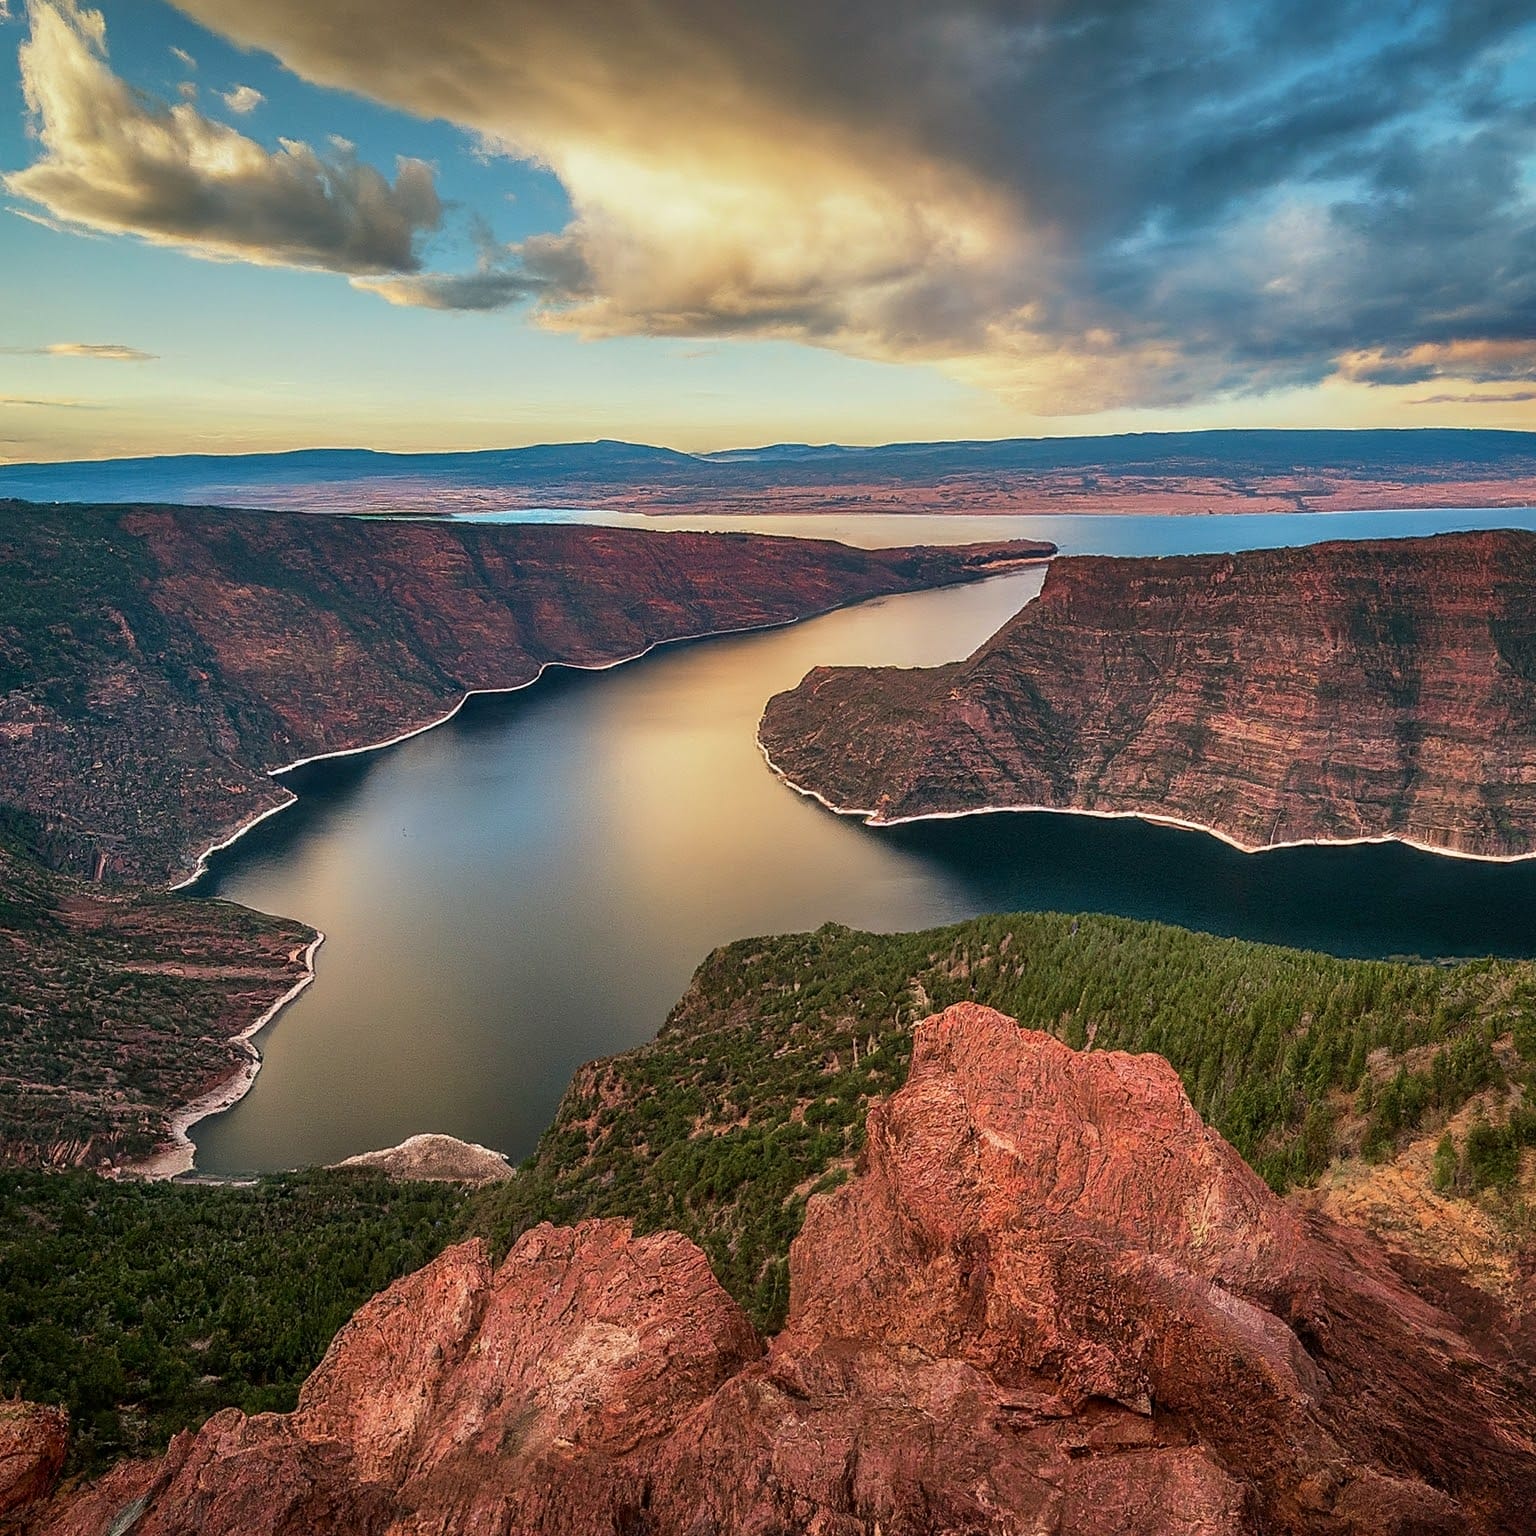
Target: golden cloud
x=115, y=161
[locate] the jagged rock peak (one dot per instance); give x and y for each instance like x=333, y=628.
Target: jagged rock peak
x=1051, y=1301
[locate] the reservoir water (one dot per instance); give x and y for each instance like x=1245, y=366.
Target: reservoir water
x=532, y=884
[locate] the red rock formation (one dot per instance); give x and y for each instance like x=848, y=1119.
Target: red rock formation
x=460, y=1400
x=228, y=644
x=1051, y=1301
x=33, y=1443
x=1342, y=691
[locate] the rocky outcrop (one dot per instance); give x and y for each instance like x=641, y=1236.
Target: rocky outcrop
x=157, y=664
x=34, y=1441
x=531, y=1398
x=436, y=1158
x=1342, y=692
x=1051, y=1301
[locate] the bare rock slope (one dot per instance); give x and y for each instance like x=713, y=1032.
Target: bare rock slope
x=436, y=1158
x=1051, y=1301
x=1377, y=690
x=34, y=1441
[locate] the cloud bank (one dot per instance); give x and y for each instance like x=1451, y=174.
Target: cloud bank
x=1079, y=204
x=117, y=161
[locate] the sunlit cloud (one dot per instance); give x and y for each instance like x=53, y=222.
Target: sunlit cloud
x=185, y=57
x=1080, y=207
x=109, y=352
x=115, y=160
x=1508, y=397
x=243, y=99
x=1484, y=360
x=1076, y=208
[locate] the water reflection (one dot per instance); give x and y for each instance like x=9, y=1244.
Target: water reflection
x=533, y=884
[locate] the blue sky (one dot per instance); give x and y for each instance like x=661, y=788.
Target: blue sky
x=706, y=229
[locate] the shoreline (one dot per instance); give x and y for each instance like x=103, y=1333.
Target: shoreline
x=871, y=818
x=220, y=844
x=178, y=1155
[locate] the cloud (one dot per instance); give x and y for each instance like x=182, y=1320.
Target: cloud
x=1485, y=360
x=48, y=405
x=110, y=352
x=1509, y=397
x=502, y=276
x=185, y=57
x=243, y=99
x=1079, y=205
x=482, y=290
x=115, y=160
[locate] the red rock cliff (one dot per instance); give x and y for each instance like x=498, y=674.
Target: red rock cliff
x=157, y=662
x=1051, y=1301
x=1342, y=691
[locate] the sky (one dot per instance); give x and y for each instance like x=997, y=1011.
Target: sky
x=228, y=225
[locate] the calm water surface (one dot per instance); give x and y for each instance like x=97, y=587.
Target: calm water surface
x=532, y=884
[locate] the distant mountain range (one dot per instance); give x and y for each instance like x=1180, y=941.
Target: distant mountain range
x=1228, y=470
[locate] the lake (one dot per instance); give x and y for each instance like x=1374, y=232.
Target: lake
x=532, y=884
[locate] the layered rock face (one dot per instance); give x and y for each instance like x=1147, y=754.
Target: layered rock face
x=1343, y=691
x=157, y=663
x=1051, y=1301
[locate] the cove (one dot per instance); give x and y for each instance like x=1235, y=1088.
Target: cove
x=532, y=884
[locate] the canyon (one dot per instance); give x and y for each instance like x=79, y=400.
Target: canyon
x=1049, y=1298
x=1353, y=692
x=159, y=664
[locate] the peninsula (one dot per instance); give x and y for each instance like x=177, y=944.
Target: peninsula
x=1346, y=692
